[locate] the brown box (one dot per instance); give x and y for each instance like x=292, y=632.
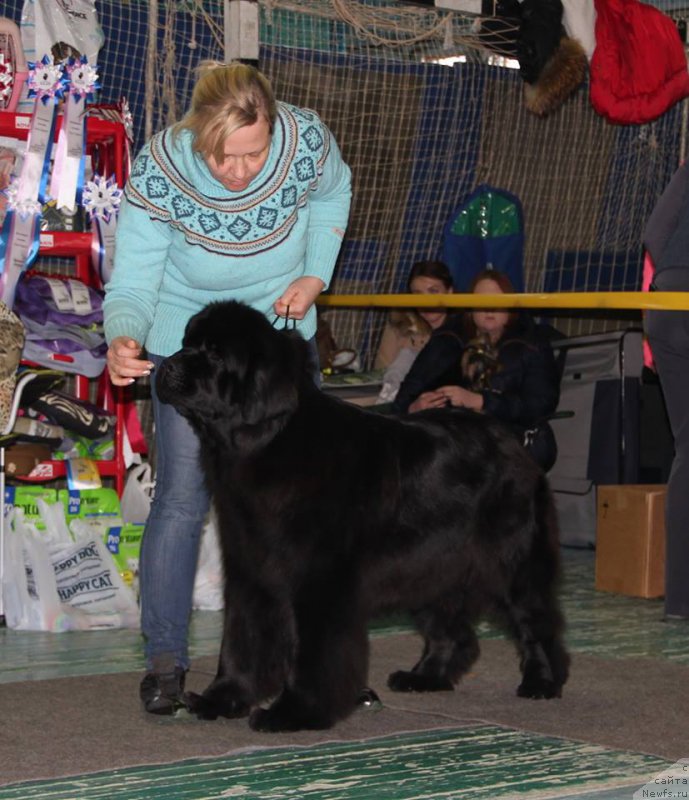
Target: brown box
x=630, y=540
x=20, y=459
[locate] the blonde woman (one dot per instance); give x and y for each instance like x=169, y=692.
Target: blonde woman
x=246, y=198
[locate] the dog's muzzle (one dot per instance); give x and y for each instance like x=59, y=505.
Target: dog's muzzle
x=169, y=380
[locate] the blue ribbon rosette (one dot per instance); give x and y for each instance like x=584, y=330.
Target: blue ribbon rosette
x=101, y=199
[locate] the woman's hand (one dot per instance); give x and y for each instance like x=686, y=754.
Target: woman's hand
x=428, y=400
x=124, y=362
x=299, y=296
x=458, y=397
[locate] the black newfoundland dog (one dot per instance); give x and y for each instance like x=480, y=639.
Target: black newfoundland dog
x=330, y=514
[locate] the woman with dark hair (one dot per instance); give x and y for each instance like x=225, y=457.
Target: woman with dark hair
x=496, y=364
x=409, y=330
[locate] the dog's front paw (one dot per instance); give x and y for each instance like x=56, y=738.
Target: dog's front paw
x=402, y=681
x=289, y=713
x=538, y=683
x=272, y=720
x=213, y=704
x=539, y=689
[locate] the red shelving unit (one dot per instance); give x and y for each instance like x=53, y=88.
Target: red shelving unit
x=106, y=143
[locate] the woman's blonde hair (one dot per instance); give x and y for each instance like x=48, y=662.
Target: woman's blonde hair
x=226, y=97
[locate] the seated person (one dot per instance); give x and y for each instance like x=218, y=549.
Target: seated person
x=496, y=364
x=408, y=330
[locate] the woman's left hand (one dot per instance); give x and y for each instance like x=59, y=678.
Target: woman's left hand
x=462, y=398
x=299, y=296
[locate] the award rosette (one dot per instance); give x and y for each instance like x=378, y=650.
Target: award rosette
x=101, y=200
x=26, y=195
x=47, y=84
x=6, y=81
x=18, y=240
x=67, y=179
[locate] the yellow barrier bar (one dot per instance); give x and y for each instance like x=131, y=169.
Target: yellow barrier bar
x=659, y=301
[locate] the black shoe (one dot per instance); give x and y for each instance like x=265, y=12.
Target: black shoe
x=368, y=699
x=161, y=692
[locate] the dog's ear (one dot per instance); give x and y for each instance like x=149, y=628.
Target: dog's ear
x=271, y=391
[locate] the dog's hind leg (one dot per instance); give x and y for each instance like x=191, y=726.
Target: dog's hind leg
x=533, y=611
x=536, y=624
x=450, y=648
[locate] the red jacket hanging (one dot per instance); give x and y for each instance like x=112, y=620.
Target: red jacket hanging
x=638, y=68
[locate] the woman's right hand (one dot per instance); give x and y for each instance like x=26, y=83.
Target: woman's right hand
x=428, y=400
x=124, y=362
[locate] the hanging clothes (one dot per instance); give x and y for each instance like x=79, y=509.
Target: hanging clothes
x=638, y=68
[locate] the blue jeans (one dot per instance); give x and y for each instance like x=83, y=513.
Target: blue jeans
x=170, y=546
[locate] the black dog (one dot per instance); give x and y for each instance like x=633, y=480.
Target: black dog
x=329, y=514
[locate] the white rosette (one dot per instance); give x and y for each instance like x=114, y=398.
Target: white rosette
x=26, y=195
x=19, y=241
x=68, y=170
x=46, y=84
x=101, y=198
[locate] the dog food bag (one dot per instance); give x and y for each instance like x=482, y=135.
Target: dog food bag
x=124, y=543
x=84, y=503
x=26, y=498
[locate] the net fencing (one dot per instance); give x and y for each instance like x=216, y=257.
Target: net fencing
x=420, y=136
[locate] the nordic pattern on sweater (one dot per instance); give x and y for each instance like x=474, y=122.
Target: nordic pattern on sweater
x=261, y=217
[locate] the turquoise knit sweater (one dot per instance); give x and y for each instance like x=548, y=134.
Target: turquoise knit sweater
x=184, y=241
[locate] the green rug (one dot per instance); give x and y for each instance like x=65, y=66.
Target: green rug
x=485, y=761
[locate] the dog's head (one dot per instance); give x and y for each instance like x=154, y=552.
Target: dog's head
x=479, y=363
x=236, y=378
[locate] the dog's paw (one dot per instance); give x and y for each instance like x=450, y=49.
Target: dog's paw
x=212, y=704
x=539, y=689
x=277, y=718
x=402, y=681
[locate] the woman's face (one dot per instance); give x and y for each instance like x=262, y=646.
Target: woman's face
x=246, y=151
x=424, y=284
x=490, y=321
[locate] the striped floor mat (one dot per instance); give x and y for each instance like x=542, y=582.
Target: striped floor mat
x=485, y=761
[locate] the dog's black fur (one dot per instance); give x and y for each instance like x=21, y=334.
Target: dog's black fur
x=330, y=514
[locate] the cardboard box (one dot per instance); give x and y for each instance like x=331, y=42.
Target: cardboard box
x=630, y=540
x=20, y=459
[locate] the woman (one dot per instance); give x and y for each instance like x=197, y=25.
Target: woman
x=519, y=380
x=409, y=330
x=666, y=238
x=245, y=198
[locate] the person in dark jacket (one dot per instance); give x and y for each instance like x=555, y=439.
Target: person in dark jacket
x=494, y=362
x=666, y=238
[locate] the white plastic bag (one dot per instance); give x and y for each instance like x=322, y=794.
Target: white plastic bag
x=30, y=598
x=137, y=494
x=63, y=585
x=209, y=582
x=61, y=30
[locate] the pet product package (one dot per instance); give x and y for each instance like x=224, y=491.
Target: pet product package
x=26, y=498
x=81, y=503
x=124, y=543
